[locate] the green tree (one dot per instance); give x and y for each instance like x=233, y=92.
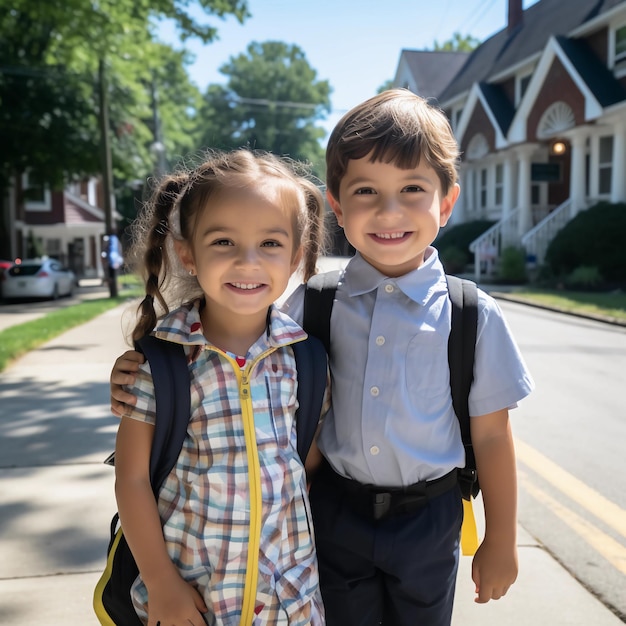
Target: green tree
x=271, y=101
x=48, y=80
x=458, y=43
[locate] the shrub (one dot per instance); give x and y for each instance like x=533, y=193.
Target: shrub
x=461, y=235
x=584, y=277
x=454, y=259
x=597, y=234
x=512, y=266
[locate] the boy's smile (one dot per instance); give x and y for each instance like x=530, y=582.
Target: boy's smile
x=391, y=215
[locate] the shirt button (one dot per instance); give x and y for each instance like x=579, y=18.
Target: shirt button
x=374, y=391
x=380, y=340
x=374, y=450
x=389, y=288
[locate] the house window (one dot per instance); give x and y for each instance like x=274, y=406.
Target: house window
x=483, y=189
x=522, y=86
x=620, y=44
x=457, y=117
x=499, y=187
x=605, y=165
x=36, y=193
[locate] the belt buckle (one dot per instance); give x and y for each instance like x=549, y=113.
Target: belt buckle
x=382, y=504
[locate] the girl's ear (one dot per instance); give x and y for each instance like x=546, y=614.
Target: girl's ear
x=183, y=250
x=295, y=261
x=335, y=206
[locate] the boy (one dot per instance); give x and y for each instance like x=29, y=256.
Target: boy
x=391, y=178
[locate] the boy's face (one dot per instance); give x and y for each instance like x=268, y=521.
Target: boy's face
x=391, y=215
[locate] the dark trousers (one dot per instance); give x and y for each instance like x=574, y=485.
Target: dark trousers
x=399, y=570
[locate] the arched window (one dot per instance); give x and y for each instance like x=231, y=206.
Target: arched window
x=555, y=119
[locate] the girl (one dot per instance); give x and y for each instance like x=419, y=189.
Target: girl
x=225, y=240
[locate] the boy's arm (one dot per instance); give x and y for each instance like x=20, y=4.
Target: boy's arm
x=124, y=372
x=171, y=599
x=495, y=566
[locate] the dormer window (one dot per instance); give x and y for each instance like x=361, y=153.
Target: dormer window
x=619, y=50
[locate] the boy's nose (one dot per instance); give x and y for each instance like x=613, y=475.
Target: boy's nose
x=388, y=206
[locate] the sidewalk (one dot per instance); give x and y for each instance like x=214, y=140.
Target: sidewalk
x=57, y=499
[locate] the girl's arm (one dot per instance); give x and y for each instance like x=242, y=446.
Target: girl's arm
x=124, y=372
x=495, y=566
x=171, y=600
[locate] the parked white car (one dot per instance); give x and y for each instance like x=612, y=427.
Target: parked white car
x=37, y=278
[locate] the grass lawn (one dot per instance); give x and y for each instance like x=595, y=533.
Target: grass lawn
x=18, y=340
x=611, y=305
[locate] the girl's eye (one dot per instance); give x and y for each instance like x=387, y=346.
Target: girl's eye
x=271, y=244
x=223, y=242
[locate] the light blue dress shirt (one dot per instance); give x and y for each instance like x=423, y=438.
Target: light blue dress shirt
x=391, y=422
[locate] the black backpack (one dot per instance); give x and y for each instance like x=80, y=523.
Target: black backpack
x=168, y=364
x=318, y=304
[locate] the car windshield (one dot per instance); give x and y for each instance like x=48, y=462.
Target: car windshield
x=24, y=270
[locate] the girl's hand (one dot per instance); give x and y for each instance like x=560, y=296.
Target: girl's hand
x=124, y=373
x=174, y=602
x=494, y=570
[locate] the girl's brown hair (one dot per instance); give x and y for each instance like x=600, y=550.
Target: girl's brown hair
x=396, y=126
x=172, y=211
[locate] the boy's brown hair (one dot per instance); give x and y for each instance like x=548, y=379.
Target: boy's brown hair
x=396, y=126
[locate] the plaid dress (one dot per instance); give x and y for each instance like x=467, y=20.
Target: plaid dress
x=207, y=503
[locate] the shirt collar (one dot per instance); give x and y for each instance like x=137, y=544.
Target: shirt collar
x=183, y=325
x=419, y=285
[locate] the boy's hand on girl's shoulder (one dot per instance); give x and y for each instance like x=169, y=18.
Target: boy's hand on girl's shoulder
x=124, y=372
x=494, y=570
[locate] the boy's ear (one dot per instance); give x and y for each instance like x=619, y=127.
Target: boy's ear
x=184, y=254
x=447, y=204
x=335, y=206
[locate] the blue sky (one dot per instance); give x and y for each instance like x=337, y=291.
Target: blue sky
x=354, y=44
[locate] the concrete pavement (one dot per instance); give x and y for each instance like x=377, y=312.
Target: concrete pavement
x=57, y=498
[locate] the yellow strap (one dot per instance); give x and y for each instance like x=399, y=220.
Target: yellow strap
x=469, y=534
x=101, y=613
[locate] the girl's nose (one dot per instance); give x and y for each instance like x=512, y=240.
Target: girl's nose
x=248, y=257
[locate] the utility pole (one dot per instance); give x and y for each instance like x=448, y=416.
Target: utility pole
x=107, y=181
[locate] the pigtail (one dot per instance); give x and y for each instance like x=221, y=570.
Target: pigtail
x=314, y=233
x=151, y=234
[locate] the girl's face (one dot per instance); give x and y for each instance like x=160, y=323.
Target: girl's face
x=242, y=251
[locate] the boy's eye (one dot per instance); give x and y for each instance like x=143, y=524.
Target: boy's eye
x=364, y=191
x=412, y=189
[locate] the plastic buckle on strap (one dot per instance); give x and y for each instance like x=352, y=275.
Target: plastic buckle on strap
x=382, y=504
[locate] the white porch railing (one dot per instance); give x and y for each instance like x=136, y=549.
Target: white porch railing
x=488, y=247
x=538, y=238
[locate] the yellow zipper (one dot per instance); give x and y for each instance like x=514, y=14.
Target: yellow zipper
x=254, y=476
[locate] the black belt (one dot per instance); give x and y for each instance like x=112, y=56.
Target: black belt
x=378, y=502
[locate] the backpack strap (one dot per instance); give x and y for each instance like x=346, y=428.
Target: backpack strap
x=319, y=295
x=461, y=348
x=170, y=373
x=311, y=363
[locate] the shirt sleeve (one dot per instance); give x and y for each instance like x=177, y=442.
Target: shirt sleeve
x=294, y=305
x=143, y=389
x=501, y=377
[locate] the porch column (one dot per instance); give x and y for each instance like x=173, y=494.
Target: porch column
x=508, y=186
x=525, y=221
x=618, y=180
x=577, y=172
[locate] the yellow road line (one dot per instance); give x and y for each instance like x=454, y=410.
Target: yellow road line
x=605, y=545
x=602, y=508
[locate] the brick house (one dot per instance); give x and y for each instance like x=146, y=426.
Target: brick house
x=539, y=110
x=67, y=225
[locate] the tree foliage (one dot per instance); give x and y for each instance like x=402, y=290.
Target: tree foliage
x=49, y=81
x=458, y=43
x=271, y=101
